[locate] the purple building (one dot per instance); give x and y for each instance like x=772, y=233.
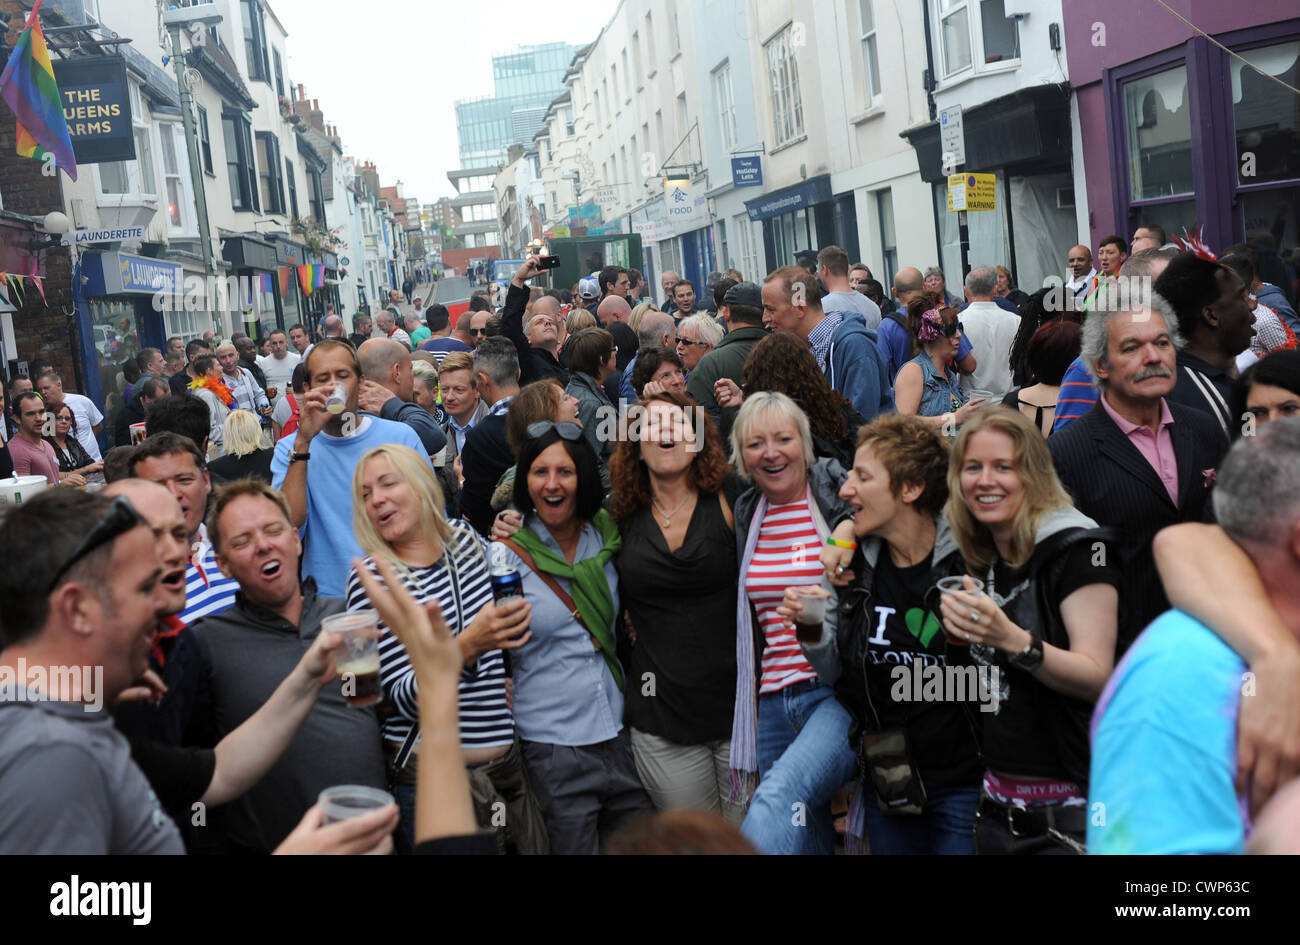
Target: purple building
x=1178, y=132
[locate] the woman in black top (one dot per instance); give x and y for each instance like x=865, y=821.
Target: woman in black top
x=72, y=456
x=1045, y=622
x=677, y=577
x=1051, y=350
x=244, y=457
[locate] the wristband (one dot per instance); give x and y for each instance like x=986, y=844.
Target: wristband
x=836, y=543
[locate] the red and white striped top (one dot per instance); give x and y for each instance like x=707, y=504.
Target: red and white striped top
x=786, y=555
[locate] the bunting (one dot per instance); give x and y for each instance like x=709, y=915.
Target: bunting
x=282, y=274
x=264, y=283
x=305, y=278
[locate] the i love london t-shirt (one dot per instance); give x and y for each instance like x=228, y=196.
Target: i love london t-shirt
x=904, y=633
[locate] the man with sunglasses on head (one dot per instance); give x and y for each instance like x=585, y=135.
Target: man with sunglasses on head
x=78, y=610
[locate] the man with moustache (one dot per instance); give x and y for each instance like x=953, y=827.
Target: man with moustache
x=1136, y=461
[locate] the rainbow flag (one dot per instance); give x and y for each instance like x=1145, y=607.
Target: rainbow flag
x=305, y=278
x=28, y=86
x=265, y=282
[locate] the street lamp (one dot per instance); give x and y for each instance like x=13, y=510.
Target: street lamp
x=204, y=14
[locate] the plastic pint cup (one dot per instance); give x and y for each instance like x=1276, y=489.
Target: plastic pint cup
x=958, y=583
x=345, y=801
x=357, y=656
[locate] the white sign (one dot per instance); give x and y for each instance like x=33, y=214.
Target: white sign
x=679, y=200
x=110, y=236
x=952, y=139
x=606, y=195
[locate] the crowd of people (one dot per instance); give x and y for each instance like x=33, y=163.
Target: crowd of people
x=813, y=566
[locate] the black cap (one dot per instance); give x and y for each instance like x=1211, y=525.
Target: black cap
x=744, y=293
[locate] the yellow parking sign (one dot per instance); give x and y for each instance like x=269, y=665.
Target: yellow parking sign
x=972, y=192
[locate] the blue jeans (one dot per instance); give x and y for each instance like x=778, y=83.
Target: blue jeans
x=803, y=759
x=947, y=827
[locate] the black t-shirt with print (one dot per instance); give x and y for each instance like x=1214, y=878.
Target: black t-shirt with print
x=906, y=657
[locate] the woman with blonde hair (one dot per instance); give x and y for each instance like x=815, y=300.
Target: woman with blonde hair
x=245, y=457
x=577, y=320
x=397, y=517
x=638, y=312
x=1042, y=626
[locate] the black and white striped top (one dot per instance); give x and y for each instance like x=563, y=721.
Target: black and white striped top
x=485, y=718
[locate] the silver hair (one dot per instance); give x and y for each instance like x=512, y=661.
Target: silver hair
x=654, y=325
x=425, y=373
x=981, y=281
x=1122, y=297
x=708, y=329
x=755, y=409
x=933, y=271
x=1256, y=490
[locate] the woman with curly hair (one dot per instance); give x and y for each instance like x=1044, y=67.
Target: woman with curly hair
x=678, y=577
x=785, y=364
x=927, y=386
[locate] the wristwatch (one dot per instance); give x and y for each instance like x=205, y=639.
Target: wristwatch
x=1031, y=657
x=296, y=457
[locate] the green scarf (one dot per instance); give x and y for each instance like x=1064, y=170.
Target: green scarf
x=587, y=584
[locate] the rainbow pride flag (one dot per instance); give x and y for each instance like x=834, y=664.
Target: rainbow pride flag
x=28, y=86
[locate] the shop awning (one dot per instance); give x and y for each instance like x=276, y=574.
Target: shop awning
x=1030, y=127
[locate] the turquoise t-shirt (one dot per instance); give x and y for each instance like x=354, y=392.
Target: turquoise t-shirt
x=329, y=544
x=1164, y=746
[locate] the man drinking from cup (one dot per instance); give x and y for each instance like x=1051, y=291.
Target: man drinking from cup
x=248, y=650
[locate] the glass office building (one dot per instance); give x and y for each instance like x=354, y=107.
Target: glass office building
x=525, y=83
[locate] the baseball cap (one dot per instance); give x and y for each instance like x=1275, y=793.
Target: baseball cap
x=589, y=288
x=744, y=293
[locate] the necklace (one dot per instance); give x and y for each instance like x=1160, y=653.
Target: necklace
x=668, y=516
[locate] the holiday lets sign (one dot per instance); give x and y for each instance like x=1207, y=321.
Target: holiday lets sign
x=97, y=105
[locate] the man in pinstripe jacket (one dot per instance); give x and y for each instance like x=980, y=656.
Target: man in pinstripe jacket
x=1136, y=461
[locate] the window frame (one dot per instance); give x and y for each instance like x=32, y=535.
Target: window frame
x=246, y=200
x=726, y=115
x=870, y=55
x=271, y=175
x=784, y=89
x=942, y=10
x=256, y=57
x=205, y=143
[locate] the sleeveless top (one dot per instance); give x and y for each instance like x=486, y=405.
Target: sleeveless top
x=940, y=394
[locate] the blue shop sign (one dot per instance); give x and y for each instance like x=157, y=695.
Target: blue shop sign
x=124, y=274
x=809, y=193
x=747, y=171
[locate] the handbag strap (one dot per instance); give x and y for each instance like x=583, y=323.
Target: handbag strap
x=550, y=582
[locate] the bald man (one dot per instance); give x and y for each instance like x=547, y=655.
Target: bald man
x=533, y=329
x=387, y=390
x=893, y=336
x=613, y=314
x=175, y=656
x=332, y=327
x=248, y=393
x=1079, y=265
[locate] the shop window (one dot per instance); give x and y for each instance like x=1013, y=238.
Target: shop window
x=1266, y=116
x=1158, y=116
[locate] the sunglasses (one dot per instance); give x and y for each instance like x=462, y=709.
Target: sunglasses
x=478, y=331
x=698, y=344
x=120, y=519
x=949, y=330
x=567, y=430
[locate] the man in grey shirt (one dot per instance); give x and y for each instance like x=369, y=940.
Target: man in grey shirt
x=248, y=650
x=78, y=610
x=840, y=296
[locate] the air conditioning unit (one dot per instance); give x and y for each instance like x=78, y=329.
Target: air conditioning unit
x=1065, y=198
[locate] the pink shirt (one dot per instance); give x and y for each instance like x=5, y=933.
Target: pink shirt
x=34, y=460
x=1156, y=449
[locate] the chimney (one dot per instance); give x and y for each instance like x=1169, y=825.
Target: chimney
x=301, y=94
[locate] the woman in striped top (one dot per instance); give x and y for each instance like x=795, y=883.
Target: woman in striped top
x=397, y=516
x=788, y=728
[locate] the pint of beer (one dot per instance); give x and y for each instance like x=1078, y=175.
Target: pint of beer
x=357, y=656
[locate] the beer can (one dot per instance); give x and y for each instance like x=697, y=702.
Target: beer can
x=506, y=582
